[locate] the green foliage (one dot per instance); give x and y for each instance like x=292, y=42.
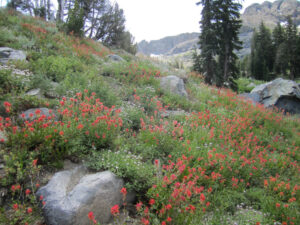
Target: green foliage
x=57, y=68
x=75, y=21
x=137, y=174
x=220, y=25
x=141, y=73
x=262, y=54
x=10, y=83
x=105, y=92
x=246, y=85
x=275, y=55
x=132, y=118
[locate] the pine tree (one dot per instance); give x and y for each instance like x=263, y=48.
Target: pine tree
x=75, y=21
x=228, y=25
x=218, y=40
x=262, y=54
x=207, y=43
x=278, y=37
x=291, y=47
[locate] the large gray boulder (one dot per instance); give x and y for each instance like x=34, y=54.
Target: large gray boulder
x=70, y=195
x=174, y=85
x=253, y=97
x=283, y=94
x=7, y=54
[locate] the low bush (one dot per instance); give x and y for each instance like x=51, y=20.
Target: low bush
x=137, y=174
x=57, y=68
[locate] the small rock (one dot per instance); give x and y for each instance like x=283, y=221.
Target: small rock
x=51, y=93
x=3, y=193
x=173, y=84
x=35, y=92
x=115, y=58
x=30, y=114
x=251, y=85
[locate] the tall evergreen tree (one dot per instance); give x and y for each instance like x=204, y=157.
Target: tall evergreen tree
x=291, y=47
x=208, y=41
x=278, y=37
x=262, y=54
x=228, y=25
x=218, y=40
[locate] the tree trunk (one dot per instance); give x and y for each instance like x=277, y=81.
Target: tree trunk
x=48, y=9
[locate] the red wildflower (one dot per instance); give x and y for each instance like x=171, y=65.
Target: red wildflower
x=29, y=210
x=151, y=201
x=115, y=210
x=145, y=221
x=138, y=206
x=80, y=126
x=27, y=192
x=123, y=191
x=34, y=162
x=16, y=206
x=202, y=198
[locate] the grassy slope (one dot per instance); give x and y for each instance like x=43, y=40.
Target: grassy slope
x=221, y=162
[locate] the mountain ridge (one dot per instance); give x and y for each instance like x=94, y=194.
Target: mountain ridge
x=269, y=13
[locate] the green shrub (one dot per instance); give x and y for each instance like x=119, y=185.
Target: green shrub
x=132, y=118
x=105, y=92
x=10, y=83
x=137, y=174
x=57, y=68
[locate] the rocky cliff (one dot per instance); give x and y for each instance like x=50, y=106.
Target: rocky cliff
x=169, y=45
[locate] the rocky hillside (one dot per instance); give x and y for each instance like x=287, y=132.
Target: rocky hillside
x=270, y=13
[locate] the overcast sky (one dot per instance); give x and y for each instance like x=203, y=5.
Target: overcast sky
x=155, y=19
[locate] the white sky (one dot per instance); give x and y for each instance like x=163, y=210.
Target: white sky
x=155, y=19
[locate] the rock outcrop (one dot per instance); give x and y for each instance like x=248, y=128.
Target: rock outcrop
x=7, y=54
x=283, y=94
x=174, y=85
x=70, y=195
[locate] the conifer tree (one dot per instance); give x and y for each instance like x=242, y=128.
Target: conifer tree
x=278, y=37
x=205, y=62
x=218, y=40
x=291, y=47
x=262, y=54
x=228, y=24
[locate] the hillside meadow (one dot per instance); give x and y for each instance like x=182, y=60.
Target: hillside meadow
x=210, y=158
